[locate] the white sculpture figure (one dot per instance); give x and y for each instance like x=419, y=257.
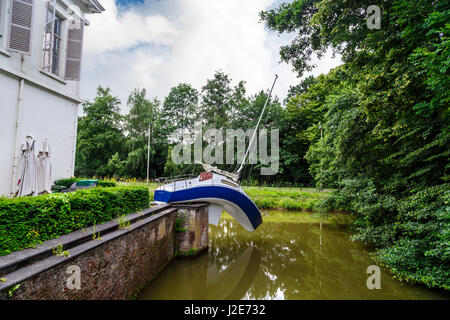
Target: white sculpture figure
x=44, y=169
x=26, y=181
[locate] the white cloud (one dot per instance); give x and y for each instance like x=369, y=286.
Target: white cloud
x=113, y=31
x=158, y=44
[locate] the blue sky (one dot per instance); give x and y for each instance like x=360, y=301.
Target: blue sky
x=157, y=44
x=127, y=2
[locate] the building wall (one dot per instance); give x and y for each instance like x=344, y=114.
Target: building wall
x=31, y=65
x=49, y=107
x=43, y=114
x=9, y=88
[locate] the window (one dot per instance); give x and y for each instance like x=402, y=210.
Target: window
x=52, y=41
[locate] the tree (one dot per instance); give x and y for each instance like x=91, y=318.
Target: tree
x=180, y=109
x=99, y=134
x=115, y=167
x=300, y=88
x=239, y=104
x=139, y=123
x=216, y=101
x=386, y=128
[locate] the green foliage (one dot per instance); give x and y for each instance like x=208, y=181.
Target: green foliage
x=143, y=119
x=54, y=215
x=286, y=198
x=180, y=107
x=115, y=166
x=100, y=134
x=178, y=225
x=192, y=252
x=123, y=222
x=60, y=252
x=179, y=222
x=385, y=123
x=216, y=99
x=11, y=291
x=95, y=235
x=421, y=250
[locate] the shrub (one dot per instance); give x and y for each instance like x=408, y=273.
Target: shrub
x=290, y=204
x=411, y=233
x=106, y=184
x=266, y=203
x=53, y=215
x=421, y=251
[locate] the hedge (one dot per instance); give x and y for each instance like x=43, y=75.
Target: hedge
x=69, y=181
x=26, y=221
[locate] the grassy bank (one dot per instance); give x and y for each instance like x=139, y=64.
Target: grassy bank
x=336, y=219
x=293, y=199
x=279, y=204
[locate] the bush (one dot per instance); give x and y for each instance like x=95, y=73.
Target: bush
x=26, y=221
x=290, y=204
x=421, y=251
x=411, y=233
x=266, y=203
x=106, y=184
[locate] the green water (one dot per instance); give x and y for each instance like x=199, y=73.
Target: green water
x=280, y=260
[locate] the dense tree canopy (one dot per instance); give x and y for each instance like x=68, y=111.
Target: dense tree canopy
x=384, y=120
x=100, y=134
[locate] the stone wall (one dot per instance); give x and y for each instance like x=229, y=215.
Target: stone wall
x=118, y=265
x=192, y=235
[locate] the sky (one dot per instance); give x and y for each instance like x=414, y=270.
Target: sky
x=157, y=44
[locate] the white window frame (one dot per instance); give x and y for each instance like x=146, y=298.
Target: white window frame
x=48, y=44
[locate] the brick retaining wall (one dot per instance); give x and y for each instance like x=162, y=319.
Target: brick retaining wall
x=115, y=267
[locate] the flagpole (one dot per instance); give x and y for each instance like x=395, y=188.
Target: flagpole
x=148, y=152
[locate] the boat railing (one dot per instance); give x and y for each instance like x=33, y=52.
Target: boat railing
x=172, y=179
x=163, y=181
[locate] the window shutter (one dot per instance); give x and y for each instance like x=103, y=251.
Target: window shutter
x=74, y=51
x=20, y=26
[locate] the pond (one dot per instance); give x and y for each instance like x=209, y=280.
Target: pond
x=280, y=260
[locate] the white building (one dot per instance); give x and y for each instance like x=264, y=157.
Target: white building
x=40, y=59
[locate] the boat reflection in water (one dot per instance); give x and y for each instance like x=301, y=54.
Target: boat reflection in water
x=280, y=260
x=195, y=279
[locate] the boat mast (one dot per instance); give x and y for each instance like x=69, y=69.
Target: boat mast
x=235, y=175
x=238, y=171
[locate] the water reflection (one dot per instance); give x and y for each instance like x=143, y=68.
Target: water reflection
x=279, y=261
x=198, y=279
x=233, y=282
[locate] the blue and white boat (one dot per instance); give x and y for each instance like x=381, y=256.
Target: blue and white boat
x=219, y=191
x=219, y=188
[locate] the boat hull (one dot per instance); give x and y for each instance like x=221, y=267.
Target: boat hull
x=236, y=203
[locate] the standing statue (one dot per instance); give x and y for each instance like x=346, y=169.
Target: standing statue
x=26, y=175
x=44, y=169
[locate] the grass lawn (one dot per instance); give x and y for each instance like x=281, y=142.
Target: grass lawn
x=293, y=199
